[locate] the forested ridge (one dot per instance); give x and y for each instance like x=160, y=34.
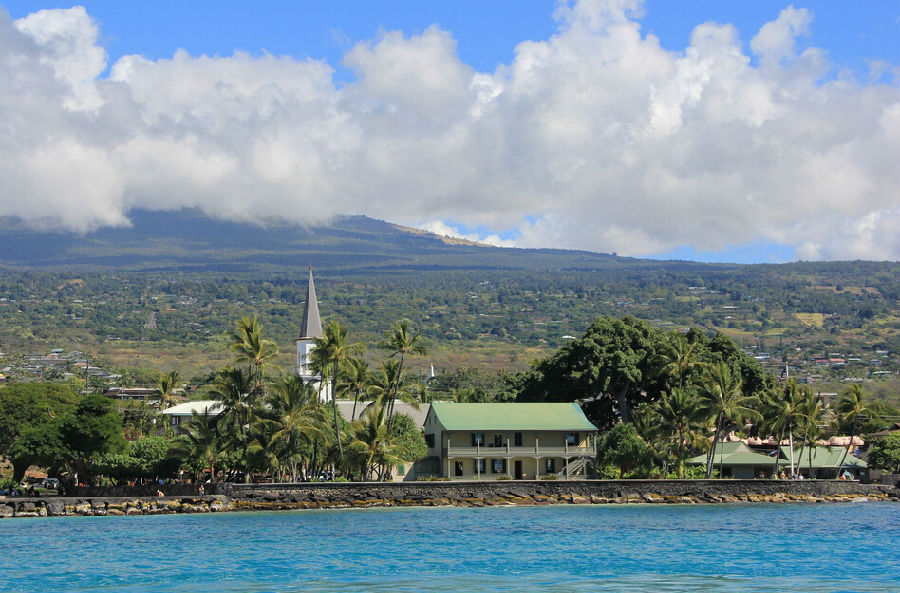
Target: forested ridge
x=173, y=283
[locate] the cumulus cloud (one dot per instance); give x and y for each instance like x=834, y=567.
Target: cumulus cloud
x=596, y=138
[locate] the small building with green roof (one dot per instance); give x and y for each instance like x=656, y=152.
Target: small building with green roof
x=737, y=460
x=477, y=441
x=823, y=462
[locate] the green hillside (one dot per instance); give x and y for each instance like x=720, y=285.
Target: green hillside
x=478, y=306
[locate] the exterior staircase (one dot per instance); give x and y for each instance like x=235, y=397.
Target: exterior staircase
x=574, y=469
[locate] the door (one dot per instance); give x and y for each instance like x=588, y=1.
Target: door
x=518, y=469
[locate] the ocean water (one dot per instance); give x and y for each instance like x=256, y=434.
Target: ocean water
x=683, y=548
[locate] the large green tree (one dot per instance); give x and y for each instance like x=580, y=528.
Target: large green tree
x=92, y=430
x=609, y=370
x=27, y=405
x=622, y=448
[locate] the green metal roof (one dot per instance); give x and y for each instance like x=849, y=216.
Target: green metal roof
x=512, y=416
x=822, y=457
x=734, y=453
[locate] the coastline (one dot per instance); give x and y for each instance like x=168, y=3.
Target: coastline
x=269, y=497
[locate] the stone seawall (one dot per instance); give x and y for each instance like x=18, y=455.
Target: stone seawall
x=246, y=497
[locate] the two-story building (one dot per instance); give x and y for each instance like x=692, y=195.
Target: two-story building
x=523, y=441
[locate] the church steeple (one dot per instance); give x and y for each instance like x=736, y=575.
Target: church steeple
x=310, y=329
x=311, y=324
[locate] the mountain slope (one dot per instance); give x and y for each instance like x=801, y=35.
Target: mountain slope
x=189, y=241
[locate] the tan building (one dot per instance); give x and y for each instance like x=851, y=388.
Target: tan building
x=523, y=441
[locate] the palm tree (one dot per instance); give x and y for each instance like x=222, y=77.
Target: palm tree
x=724, y=402
x=249, y=346
x=400, y=339
x=849, y=408
x=679, y=418
x=332, y=348
x=784, y=415
x=389, y=384
x=372, y=445
x=293, y=419
x=236, y=390
x=679, y=360
x=201, y=441
x=166, y=385
x=357, y=379
x=816, y=415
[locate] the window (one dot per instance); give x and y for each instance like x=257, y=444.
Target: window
x=429, y=440
x=571, y=438
x=517, y=439
x=401, y=470
x=498, y=466
x=498, y=440
x=457, y=468
x=550, y=466
x=480, y=466
x=478, y=439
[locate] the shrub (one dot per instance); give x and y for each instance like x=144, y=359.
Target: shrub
x=885, y=453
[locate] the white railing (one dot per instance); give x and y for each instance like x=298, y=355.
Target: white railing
x=537, y=450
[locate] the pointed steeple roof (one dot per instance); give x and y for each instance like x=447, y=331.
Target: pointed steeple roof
x=311, y=326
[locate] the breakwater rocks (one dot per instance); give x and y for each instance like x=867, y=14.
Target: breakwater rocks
x=349, y=495
x=61, y=506
x=247, y=497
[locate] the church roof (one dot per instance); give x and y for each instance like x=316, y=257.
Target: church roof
x=311, y=325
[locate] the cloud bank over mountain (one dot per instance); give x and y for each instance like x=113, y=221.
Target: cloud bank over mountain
x=596, y=138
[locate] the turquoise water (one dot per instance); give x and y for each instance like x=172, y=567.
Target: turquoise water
x=719, y=548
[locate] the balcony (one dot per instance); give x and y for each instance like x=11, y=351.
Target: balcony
x=537, y=450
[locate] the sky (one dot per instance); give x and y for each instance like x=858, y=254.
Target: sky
x=713, y=131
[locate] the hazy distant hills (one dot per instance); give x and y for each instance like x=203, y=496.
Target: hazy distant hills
x=187, y=240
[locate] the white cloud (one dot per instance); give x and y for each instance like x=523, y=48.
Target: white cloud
x=596, y=138
x=68, y=39
x=439, y=227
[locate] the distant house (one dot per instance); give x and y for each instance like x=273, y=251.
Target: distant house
x=737, y=460
x=475, y=441
x=823, y=462
x=132, y=393
x=182, y=414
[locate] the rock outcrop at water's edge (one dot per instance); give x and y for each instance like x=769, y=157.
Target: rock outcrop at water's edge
x=254, y=497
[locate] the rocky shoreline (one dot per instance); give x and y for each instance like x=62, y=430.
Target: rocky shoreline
x=268, y=497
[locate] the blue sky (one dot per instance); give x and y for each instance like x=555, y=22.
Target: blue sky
x=487, y=32
x=549, y=207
